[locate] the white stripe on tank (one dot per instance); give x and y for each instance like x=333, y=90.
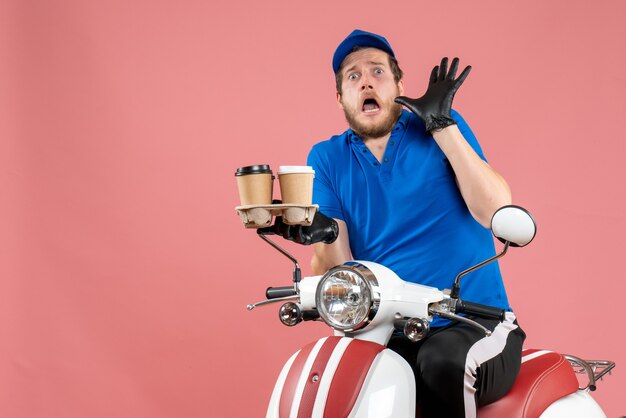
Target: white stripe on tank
x=306, y=370
x=327, y=377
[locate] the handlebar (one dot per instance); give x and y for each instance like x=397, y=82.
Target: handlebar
x=482, y=311
x=280, y=292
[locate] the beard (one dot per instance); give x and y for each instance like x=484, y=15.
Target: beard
x=377, y=130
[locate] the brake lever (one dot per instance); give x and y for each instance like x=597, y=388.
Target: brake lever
x=268, y=301
x=442, y=312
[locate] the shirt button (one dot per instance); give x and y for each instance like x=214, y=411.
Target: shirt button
x=386, y=159
x=391, y=142
x=365, y=150
x=375, y=163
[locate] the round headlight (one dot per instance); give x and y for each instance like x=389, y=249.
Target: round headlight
x=347, y=297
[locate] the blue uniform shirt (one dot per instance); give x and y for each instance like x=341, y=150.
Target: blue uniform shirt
x=407, y=212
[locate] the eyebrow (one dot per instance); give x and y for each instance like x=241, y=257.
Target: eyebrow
x=369, y=62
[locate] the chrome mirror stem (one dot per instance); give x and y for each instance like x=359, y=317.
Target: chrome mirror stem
x=457, y=287
x=297, y=273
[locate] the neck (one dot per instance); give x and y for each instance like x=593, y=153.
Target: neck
x=377, y=146
x=383, y=138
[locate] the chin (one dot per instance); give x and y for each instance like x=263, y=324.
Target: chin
x=371, y=126
x=372, y=121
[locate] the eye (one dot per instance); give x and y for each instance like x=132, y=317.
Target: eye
x=378, y=71
x=353, y=76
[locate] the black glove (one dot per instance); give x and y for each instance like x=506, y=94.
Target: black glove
x=434, y=106
x=322, y=229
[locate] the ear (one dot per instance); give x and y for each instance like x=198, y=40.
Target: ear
x=401, y=87
x=339, y=104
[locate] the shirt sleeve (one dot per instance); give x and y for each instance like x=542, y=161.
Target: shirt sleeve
x=324, y=193
x=467, y=133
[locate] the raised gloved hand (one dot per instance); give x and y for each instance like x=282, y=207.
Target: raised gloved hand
x=434, y=106
x=322, y=229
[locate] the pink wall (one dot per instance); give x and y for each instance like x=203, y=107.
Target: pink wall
x=124, y=271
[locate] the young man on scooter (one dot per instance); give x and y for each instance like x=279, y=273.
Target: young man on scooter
x=413, y=191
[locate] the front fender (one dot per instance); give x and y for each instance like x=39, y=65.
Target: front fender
x=341, y=377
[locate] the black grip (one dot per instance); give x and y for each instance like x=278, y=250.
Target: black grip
x=310, y=315
x=279, y=292
x=398, y=324
x=482, y=311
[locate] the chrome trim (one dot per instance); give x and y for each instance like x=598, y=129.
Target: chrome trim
x=370, y=280
x=457, y=281
x=268, y=301
x=595, y=369
x=442, y=312
x=296, y=269
x=419, y=323
x=447, y=304
x=292, y=311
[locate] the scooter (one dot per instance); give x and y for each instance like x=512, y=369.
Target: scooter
x=353, y=374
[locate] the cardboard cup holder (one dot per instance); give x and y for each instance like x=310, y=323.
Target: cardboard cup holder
x=259, y=216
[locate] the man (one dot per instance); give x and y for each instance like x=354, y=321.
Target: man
x=413, y=191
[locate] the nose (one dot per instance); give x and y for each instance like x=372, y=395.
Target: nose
x=365, y=83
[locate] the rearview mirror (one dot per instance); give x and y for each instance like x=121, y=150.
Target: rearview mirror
x=513, y=224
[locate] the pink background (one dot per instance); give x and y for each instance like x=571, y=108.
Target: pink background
x=124, y=271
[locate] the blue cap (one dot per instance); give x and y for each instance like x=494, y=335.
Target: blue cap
x=362, y=39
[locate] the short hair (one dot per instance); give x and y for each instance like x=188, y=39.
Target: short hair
x=393, y=64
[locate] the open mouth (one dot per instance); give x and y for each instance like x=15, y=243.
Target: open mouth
x=370, y=105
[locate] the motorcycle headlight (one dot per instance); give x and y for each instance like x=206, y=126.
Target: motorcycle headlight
x=347, y=297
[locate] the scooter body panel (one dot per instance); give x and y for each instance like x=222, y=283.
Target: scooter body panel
x=389, y=389
x=577, y=405
x=273, y=408
x=339, y=377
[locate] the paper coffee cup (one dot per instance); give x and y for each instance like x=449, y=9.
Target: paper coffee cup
x=296, y=184
x=255, y=183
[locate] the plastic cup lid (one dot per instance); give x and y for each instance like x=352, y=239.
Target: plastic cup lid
x=253, y=169
x=293, y=169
